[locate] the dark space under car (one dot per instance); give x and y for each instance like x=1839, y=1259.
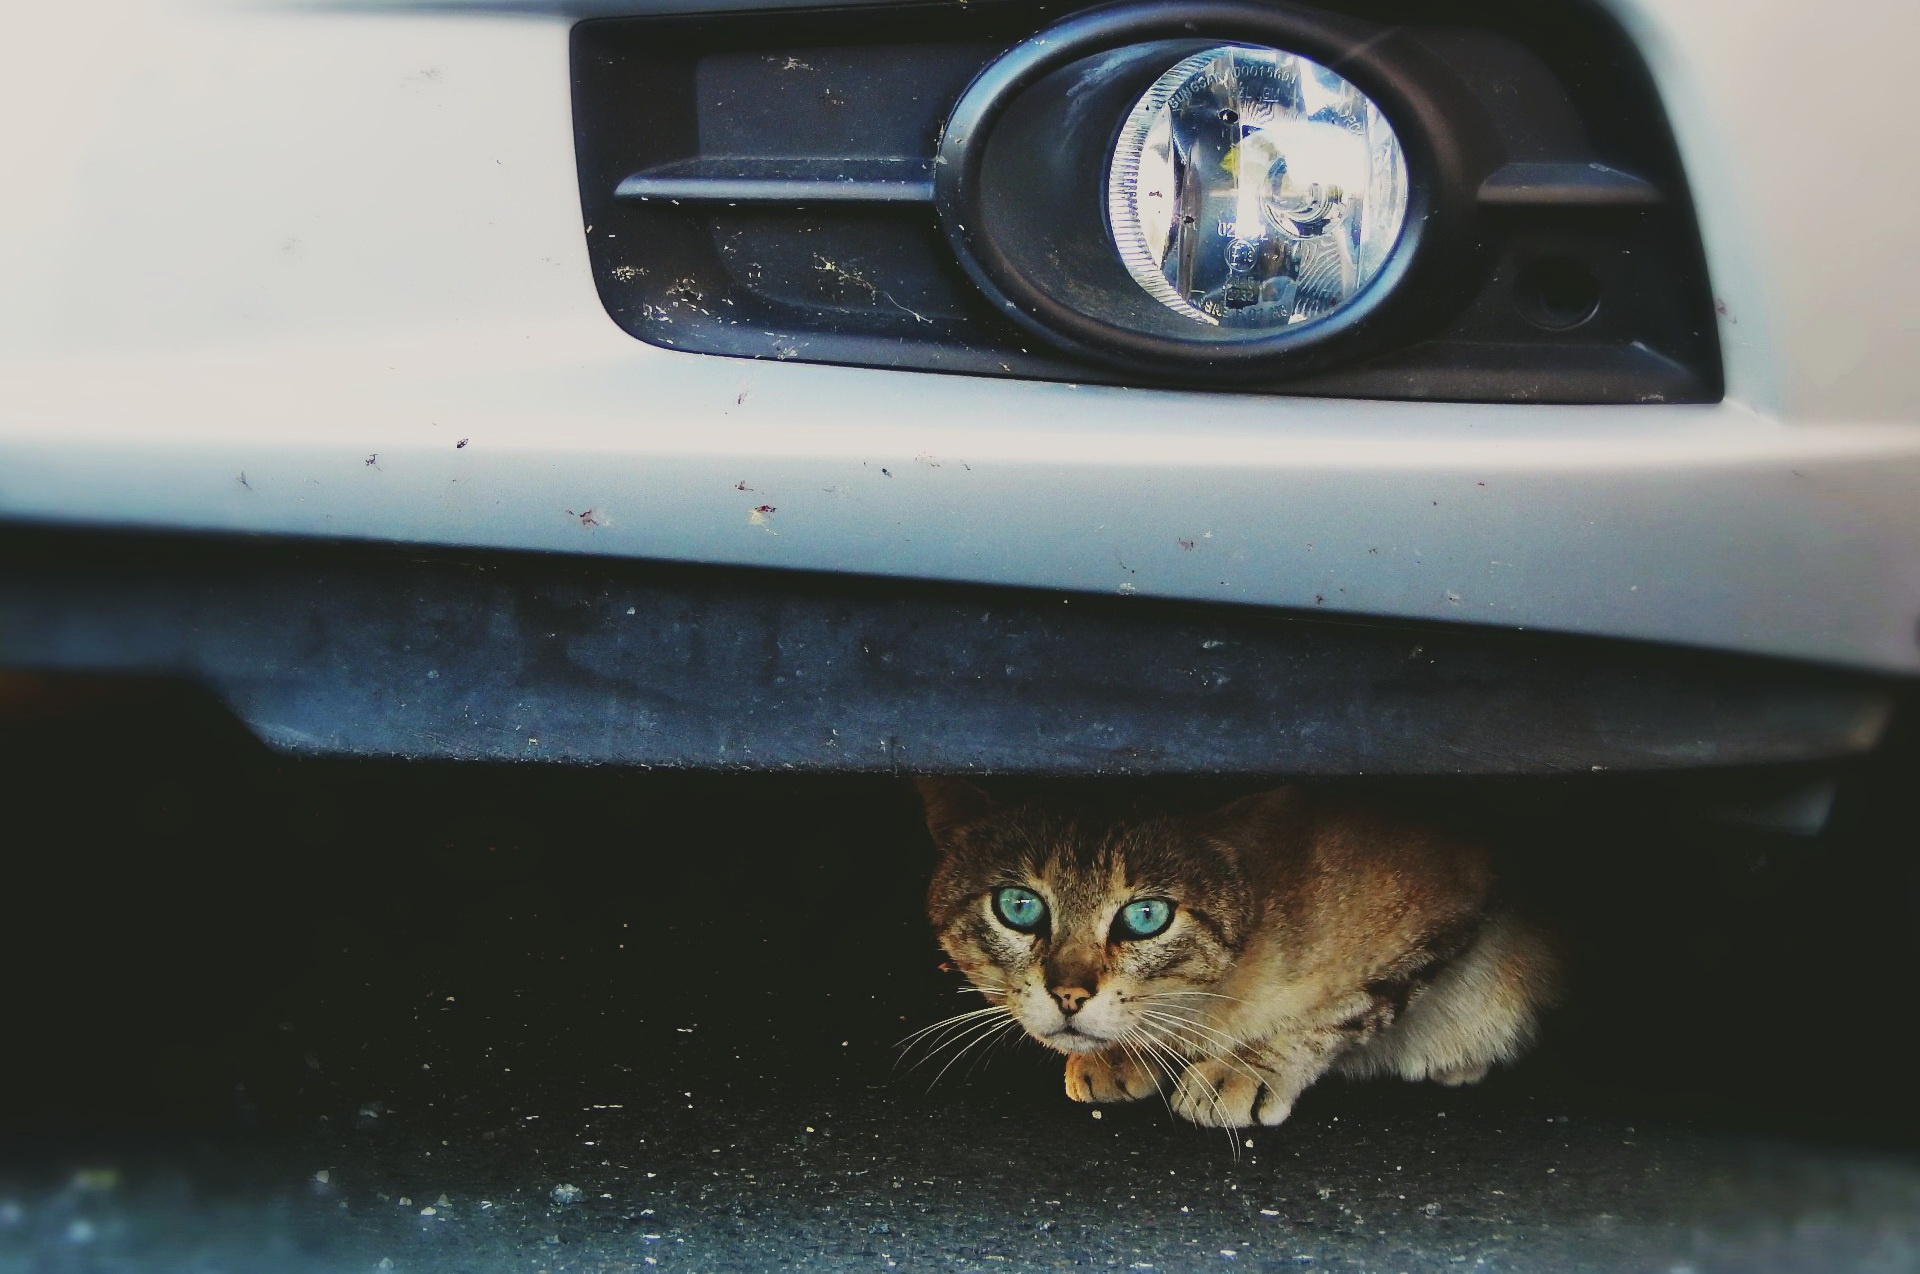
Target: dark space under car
x=339, y=1007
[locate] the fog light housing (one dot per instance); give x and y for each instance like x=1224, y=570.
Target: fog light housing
x=1255, y=188
x=1217, y=190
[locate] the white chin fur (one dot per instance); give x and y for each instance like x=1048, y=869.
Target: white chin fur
x=1065, y=1043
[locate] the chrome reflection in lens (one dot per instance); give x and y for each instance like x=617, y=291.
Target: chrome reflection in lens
x=1253, y=188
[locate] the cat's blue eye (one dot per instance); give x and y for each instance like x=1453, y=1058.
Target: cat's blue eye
x=1020, y=909
x=1143, y=918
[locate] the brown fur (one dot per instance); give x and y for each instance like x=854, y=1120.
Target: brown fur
x=1310, y=934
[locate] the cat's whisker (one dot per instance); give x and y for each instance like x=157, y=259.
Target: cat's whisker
x=1163, y=1046
x=951, y=1039
x=1225, y=1040
x=1192, y=1012
x=945, y=1021
x=1213, y=1097
x=1000, y=1041
x=966, y=1013
x=1226, y=1125
x=1170, y=995
x=1220, y=1038
x=961, y=1043
x=1127, y=1040
x=1226, y=1057
x=1179, y=1015
x=1174, y=1063
x=962, y=1023
x=955, y=1020
x=978, y=1039
x=951, y=1032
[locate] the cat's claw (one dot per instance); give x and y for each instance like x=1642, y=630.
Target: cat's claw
x=1230, y=1095
x=1100, y=1077
x=1456, y=1076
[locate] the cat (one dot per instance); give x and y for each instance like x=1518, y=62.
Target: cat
x=1232, y=959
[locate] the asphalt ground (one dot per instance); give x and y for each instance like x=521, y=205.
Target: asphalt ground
x=287, y=1015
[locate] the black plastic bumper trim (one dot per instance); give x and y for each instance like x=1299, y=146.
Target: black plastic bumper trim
x=341, y=649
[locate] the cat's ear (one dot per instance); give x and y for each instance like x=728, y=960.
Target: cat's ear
x=951, y=804
x=1249, y=820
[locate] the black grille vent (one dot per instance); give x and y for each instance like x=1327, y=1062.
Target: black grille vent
x=761, y=186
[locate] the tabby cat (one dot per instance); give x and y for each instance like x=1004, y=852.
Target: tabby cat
x=1234, y=958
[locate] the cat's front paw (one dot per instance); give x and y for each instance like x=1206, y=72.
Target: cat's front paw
x=1103, y=1077
x=1231, y=1094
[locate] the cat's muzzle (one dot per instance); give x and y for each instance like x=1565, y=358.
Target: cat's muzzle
x=1072, y=1039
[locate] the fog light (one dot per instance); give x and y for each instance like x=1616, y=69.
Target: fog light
x=1255, y=188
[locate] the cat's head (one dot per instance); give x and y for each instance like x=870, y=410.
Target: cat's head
x=1088, y=933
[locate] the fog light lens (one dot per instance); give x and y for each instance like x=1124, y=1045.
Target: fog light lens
x=1254, y=188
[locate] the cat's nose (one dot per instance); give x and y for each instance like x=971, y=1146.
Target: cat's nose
x=1070, y=998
